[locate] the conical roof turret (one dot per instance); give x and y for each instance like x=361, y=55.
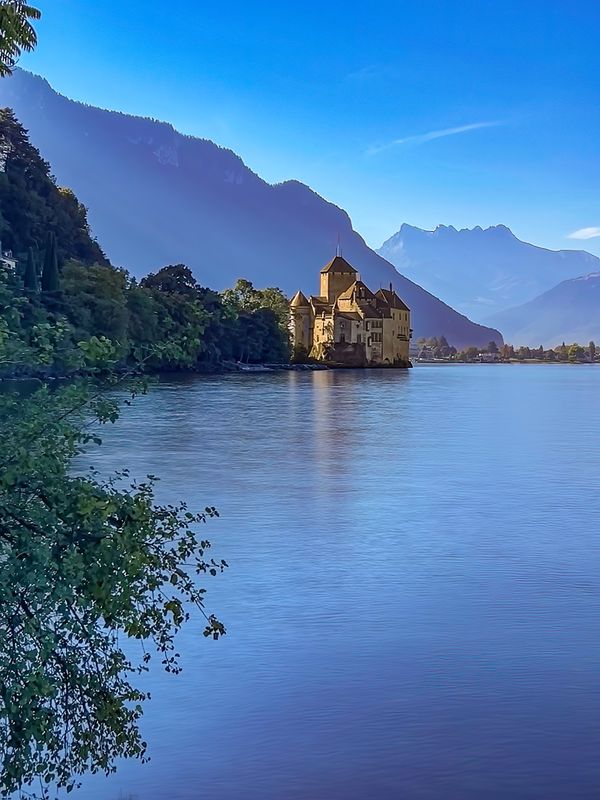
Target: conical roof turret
x=299, y=300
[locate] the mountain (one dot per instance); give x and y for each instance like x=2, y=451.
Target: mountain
x=481, y=272
x=570, y=312
x=157, y=197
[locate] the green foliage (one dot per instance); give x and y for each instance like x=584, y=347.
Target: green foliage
x=174, y=298
x=576, y=353
x=94, y=302
x=50, y=274
x=198, y=328
x=177, y=280
x=17, y=33
x=262, y=319
x=573, y=353
x=86, y=564
x=31, y=205
x=30, y=278
x=167, y=320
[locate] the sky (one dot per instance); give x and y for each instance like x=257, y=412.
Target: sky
x=455, y=112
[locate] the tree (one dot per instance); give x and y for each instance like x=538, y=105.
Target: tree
x=16, y=32
x=174, y=279
x=84, y=562
x=50, y=274
x=508, y=352
x=592, y=350
x=576, y=353
x=30, y=278
x=262, y=322
x=85, y=565
x=243, y=296
x=492, y=347
x=31, y=204
x=94, y=302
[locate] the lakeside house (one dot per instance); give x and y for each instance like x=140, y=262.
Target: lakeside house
x=350, y=324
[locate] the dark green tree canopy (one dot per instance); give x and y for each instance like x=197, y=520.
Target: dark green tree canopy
x=31, y=204
x=50, y=273
x=86, y=564
x=174, y=279
x=30, y=277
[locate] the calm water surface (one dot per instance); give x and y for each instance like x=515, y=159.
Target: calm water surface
x=413, y=599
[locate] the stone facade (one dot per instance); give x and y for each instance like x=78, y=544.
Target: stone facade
x=348, y=323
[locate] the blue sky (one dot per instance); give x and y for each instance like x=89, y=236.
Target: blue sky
x=457, y=112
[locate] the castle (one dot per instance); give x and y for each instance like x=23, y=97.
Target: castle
x=348, y=323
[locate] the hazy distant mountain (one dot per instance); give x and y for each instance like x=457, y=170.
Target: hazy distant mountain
x=570, y=312
x=157, y=197
x=478, y=271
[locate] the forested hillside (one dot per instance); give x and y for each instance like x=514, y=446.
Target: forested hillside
x=64, y=292
x=32, y=205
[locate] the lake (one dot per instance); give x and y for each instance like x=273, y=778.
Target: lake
x=413, y=599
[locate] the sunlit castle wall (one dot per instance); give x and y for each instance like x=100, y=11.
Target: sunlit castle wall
x=334, y=283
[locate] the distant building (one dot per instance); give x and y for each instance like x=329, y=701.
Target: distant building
x=7, y=258
x=489, y=358
x=348, y=323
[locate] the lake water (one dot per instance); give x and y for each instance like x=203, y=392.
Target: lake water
x=413, y=599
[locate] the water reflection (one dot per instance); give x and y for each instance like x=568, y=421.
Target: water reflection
x=413, y=596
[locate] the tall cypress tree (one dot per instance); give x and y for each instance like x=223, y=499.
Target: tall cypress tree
x=30, y=279
x=50, y=275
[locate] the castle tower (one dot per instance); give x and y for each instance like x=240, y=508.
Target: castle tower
x=336, y=277
x=301, y=321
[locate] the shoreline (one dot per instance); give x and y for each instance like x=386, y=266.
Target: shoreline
x=523, y=362
x=235, y=368
x=226, y=368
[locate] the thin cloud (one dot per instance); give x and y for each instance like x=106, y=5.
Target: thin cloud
x=371, y=72
x=421, y=138
x=365, y=73
x=585, y=233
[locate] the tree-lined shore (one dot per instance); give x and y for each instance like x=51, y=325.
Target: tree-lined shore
x=439, y=350
x=63, y=292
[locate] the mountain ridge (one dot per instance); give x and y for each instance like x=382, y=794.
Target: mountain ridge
x=569, y=312
x=156, y=196
x=482, y=271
